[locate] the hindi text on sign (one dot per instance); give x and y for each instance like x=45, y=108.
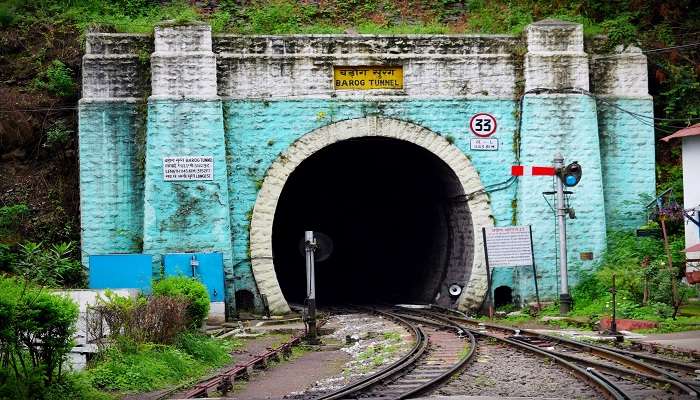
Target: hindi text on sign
x=367, y=77
x=508, y=246
x=188, y=168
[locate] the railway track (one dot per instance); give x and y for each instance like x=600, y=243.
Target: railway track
x=437, y=354
x=624, y=374
x=446, y=341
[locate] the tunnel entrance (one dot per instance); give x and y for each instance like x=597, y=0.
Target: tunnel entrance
x=502, y=295
x=397, y=216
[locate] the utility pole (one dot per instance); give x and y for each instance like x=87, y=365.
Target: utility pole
x=309, y=249
x=562, y=212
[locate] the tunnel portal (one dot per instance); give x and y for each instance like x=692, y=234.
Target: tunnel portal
x=397, y=216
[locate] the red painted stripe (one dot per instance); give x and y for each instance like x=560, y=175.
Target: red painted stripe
x=538, y=171
x=517, y=170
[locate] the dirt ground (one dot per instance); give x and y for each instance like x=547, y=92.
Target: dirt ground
x=294, y=376
x=313, y=370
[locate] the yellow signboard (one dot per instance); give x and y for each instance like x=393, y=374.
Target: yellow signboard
x=368, y=77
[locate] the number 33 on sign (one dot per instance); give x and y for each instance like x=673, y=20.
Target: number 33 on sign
x=483, y=125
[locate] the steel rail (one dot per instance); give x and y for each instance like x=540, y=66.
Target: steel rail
x=441, y=378
x=610, y=390
x=418, y=349
x=666, y=362
x=640, y=368
x=606, y=380
x=224, y=380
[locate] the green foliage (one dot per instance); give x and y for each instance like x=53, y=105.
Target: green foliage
x=203, y=348
x=144, y=367
x=11, y=217
x=670, y=176
x=620, y=30
x=282, y=16
x=58, y=134
x=191, y=289
x=680, y=93
x=56, y=79
x=219, y=21
x=626, y=258
x=155, y=319
x=52, y=267
x=7, y=257
x=36, y=334
x=492, y=17
x=7, y=16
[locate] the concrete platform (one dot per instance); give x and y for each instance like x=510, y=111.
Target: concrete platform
x=683, y=341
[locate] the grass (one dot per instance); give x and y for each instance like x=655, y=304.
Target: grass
x=129, y=367
x=688, y=318
x=464, y=353
x=376, y=354
x=287, y=16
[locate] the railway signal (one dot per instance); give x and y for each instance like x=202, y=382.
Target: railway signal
x=310, y=246
x=569, y=175
x=315, y=247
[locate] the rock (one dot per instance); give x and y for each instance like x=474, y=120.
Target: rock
x=550, y=318
x=514, y=314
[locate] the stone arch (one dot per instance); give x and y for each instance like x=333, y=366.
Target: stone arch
x=261, y=224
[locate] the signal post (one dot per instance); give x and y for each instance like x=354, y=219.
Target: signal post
x=569, y=175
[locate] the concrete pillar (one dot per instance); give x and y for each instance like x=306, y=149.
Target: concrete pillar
x=185, y=120
x=111, y=137
x=619, y=80
x=566, y=123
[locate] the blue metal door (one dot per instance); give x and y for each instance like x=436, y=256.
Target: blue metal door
x=118, y=271
x=207, y=267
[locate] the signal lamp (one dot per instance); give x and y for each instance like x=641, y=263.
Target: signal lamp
x=571, y=174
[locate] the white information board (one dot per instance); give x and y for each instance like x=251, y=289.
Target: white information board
x=188, y=168
x=483, y=144
x=508, y=246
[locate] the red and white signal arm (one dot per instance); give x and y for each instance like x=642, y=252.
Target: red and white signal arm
x=483, y=124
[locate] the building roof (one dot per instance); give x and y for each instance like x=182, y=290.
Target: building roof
x=693, y=130
x=693, y=248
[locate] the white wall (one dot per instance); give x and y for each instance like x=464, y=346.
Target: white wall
x=691, y=188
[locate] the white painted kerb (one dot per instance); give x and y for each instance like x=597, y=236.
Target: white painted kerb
x=307, y=145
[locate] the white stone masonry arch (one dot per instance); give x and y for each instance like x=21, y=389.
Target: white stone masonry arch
x=264, y=211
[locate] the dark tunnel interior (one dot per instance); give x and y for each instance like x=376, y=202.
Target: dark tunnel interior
x=389, y=207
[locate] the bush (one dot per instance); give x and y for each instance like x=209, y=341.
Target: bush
x=36, y=334
x=53, y=267
x=191, y=289
x=281, y=16
x=56, y=79
x=58, y=134
x=157, y=319
x=634, y=262
x=11, y=218
x=7, y=257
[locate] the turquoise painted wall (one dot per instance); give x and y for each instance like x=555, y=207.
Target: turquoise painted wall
x=186, y=215
x=245, y=137
x=111, y=177
x=257, y=132
x=628, y=157
x=563, y=123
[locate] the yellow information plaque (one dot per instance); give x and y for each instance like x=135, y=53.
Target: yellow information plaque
x=368, y=77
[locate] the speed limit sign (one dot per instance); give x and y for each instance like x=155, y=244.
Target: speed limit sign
x=483, y=124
